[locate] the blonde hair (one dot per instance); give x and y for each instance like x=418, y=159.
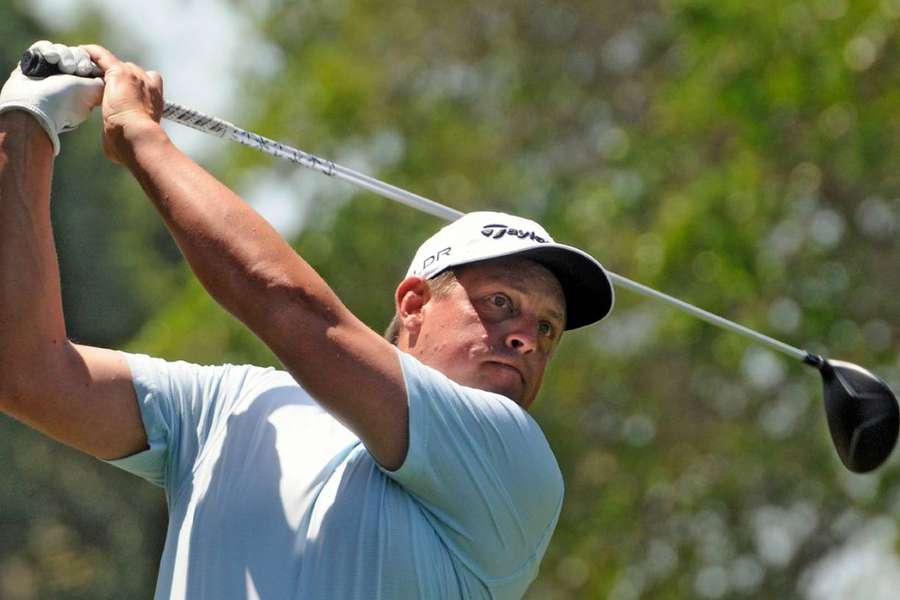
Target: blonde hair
x=440, y=286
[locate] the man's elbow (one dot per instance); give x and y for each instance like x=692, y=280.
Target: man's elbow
x=28, y=376
x=24, y=376
x=15, y=385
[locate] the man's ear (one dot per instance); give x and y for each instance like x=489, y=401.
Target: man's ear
x=410, y=298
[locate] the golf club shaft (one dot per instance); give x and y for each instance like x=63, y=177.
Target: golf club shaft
x=34, y=65
x=714, y=319
x=224, y=129
x=221, y=128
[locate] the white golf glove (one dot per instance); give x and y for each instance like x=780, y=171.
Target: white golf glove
x=59, y=103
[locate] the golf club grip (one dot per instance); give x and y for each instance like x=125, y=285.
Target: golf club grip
x=33, y=64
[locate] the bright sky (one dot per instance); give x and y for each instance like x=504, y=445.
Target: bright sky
x=193, y=44
x=197, y=46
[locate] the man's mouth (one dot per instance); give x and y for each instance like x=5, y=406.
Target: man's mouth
x=508, y=367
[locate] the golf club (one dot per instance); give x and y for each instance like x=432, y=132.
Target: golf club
x=861, y=410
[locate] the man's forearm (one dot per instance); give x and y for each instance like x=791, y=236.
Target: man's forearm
x=31, y=317
x=252, y=272
x=238, y=256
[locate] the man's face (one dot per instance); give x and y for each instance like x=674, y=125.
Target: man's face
x=496, y=329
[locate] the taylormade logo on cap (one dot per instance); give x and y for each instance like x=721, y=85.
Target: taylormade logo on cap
x=498, y=231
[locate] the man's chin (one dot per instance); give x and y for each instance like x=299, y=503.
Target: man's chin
x=505, y=385
x=514, y=390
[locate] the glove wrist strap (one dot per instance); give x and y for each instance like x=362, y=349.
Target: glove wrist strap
x=40, y=116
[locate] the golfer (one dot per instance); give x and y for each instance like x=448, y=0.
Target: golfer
x=394, y=468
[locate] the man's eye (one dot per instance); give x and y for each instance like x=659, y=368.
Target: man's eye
x=499, y=300
x=546, y=329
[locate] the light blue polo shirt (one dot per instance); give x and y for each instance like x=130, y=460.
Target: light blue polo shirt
x=270, y=497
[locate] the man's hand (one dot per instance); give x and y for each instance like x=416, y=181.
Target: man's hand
x=61, y=102
x=132, y=103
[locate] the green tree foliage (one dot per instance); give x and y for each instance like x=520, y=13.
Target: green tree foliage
x=737, y=155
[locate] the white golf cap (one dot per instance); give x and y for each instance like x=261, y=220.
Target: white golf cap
x=479, y=236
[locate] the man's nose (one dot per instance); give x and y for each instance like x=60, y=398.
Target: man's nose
x=521, y=339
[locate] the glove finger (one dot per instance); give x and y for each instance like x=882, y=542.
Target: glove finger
x=83, y=65
x=50, y=53
x=42, y=47
x=66, y=59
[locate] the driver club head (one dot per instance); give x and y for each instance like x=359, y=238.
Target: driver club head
x=863, y=416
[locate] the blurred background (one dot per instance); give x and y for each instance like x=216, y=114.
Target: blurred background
x=738, y=155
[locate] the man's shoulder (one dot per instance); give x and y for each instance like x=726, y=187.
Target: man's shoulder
x=492, y=422
x=226, y=385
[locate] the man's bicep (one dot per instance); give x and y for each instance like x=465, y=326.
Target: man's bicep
x=84, y=398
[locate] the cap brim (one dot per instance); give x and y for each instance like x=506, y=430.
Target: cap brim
x=586, y=286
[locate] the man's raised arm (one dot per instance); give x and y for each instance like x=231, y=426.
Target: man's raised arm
x=77, y=395
x=251, y=271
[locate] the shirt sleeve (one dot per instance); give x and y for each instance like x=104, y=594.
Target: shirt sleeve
x=483, y=470
x=182, y=406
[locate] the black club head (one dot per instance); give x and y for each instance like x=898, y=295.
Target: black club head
x=862, y=413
